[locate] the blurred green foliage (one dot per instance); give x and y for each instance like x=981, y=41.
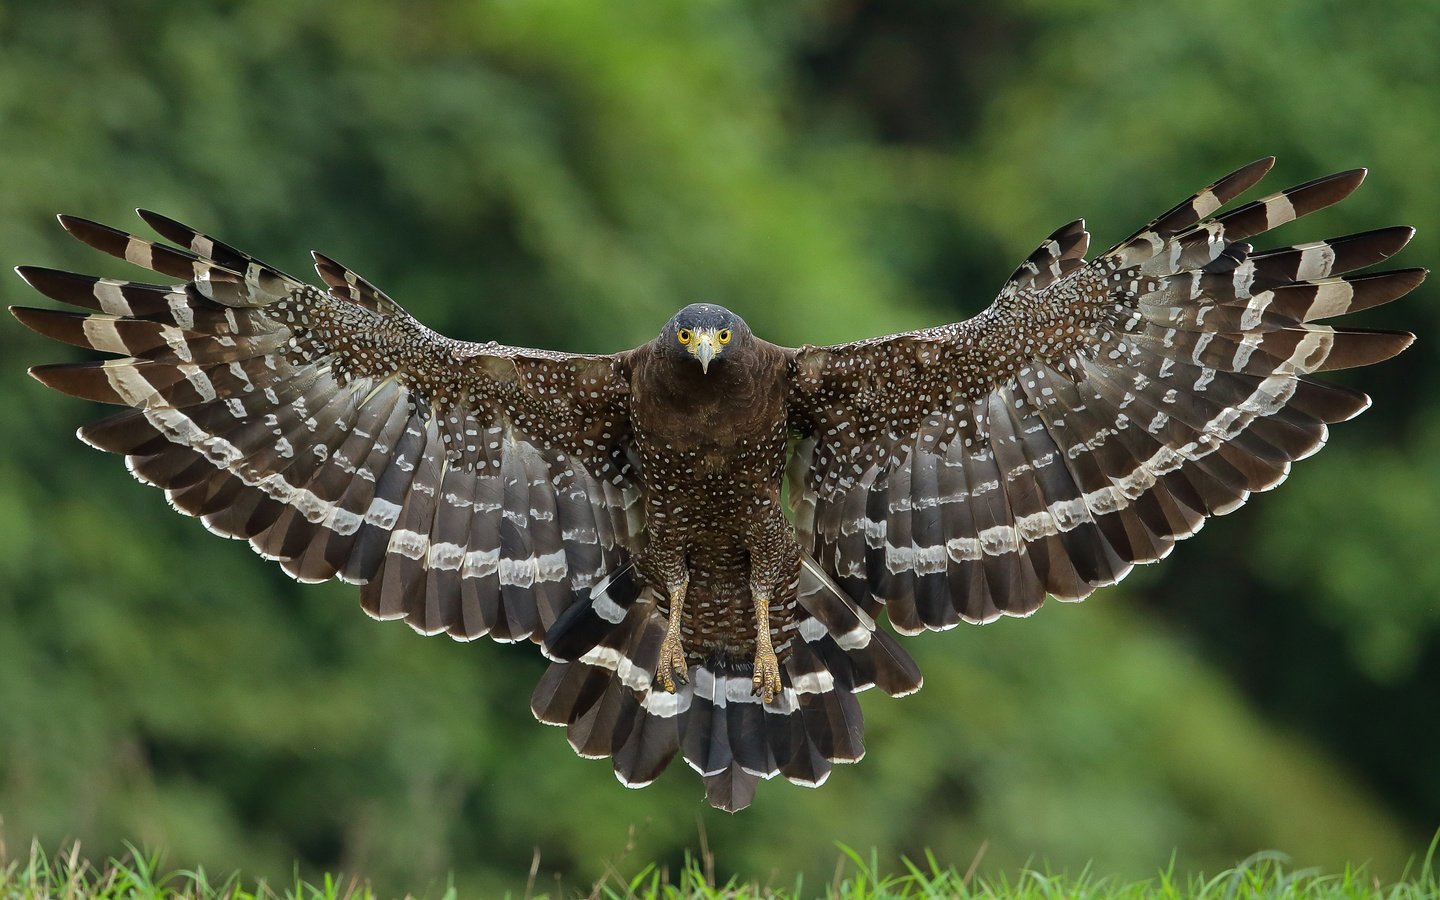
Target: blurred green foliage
x=566, y=173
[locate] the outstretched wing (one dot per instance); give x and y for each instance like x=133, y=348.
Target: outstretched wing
x=471, y=488
x=1092, y=416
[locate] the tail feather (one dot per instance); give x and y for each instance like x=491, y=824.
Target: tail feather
x=567, y=691
x=586, y=623
x=807, y=766
x=650, y=742
x=706, y=742
x=731, y=790
x=592, y=735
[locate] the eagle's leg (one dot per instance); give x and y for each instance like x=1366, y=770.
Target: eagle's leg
x=672, y=665
x=774, y=562
x=767, y=666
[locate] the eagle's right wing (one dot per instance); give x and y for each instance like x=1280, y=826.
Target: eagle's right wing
x=471, y=488
x=1093, y=415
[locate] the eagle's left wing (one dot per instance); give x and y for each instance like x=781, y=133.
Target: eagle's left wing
x=471, y=488
x=1093, y=415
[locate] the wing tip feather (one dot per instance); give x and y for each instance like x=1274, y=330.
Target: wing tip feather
x=77, y=225
x=162, y=224
x=1249, y=174
x=37, y=319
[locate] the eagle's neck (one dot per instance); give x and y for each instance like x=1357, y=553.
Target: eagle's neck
x=673, y=397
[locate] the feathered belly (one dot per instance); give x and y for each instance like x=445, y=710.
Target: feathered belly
x=719, y=609
x=714, y=519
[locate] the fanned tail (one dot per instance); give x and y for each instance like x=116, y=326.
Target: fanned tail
x=602, y=689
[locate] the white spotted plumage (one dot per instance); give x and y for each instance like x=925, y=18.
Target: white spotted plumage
x=1095, y=414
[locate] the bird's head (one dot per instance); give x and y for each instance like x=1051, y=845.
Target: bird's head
x=703, y=332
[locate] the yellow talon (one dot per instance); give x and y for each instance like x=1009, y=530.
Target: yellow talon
x=672, y=664
x=767, y=666
x=767, y=674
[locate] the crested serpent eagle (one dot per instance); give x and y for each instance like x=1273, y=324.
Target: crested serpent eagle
x=625, y=512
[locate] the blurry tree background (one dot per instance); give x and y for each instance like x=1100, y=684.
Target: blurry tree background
x=567, y=173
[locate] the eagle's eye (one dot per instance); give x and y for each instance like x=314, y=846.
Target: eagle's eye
x=683, y=335
x=724, y=336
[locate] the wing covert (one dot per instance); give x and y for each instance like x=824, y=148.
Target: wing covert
x=471, y=488
x=1094, y=414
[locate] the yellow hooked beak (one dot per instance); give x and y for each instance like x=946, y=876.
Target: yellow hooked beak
x=704, y=346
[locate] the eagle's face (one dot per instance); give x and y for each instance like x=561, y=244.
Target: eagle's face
x=703, y=332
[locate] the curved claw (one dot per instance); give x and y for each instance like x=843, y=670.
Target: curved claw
x=767, y=675
x=672, y=666
x=767, y=667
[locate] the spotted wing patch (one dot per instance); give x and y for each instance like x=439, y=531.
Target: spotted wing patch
x=472, y=489
x=1092, y=416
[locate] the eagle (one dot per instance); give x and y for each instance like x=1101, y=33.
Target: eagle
x=701, y=533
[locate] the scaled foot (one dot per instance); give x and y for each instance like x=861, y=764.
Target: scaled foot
x=767, y=667
x=767, y=674
x=672, y=666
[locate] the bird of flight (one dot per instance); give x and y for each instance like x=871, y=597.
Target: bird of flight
x=624, y=512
